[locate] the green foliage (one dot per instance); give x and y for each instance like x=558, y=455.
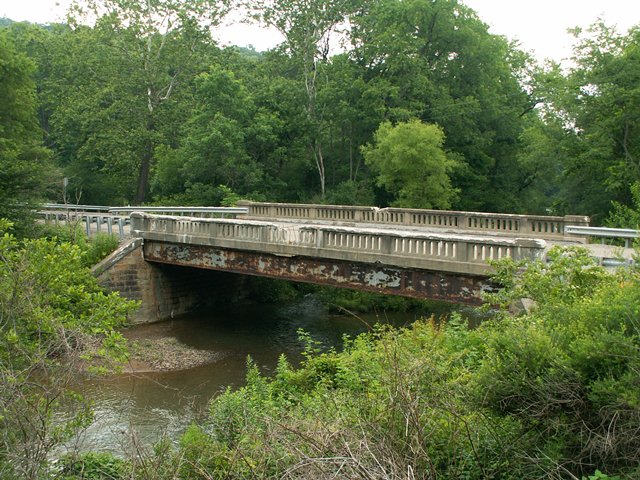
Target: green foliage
x=598, y=475
x=623, y=216
x=341, y=299
x=436, y=61
x=100, y=246
x=569, y=275
x=93, y=249
x=550, y=394
x=268, y=290
x=54, y=322
x=24, y=162
x=596, y=106
x=93, y=466
x=411, y=163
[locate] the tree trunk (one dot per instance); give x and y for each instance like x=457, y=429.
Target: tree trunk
x=143, y=175
x=145, y=165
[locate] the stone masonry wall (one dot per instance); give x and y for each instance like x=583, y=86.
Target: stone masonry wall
x=164, y=291
x=125, y=271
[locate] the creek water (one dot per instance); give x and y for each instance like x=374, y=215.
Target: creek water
x=139, y=409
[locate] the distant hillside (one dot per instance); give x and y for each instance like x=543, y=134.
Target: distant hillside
x=5, y=22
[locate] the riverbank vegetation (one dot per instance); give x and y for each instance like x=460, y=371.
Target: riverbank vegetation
x=552, y=393
x=55, y=322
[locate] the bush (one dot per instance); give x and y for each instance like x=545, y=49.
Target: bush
x=54, y=319
x=100, y=247
x=551, y=394
x=93, y=466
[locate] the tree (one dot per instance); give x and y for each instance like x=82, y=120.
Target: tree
x=411, y=163
x=599, y=104
x=307, y=28
x=24, y=162
x=158, y=43
x=214, y=149
x=436, y=61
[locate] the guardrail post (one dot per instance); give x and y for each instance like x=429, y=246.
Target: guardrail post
x=109, y=226
x=121, y=227
x=87, y=223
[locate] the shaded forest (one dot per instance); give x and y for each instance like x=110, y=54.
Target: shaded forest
x=406, y=103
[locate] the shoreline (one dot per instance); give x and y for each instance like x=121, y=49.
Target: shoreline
x=166, y=354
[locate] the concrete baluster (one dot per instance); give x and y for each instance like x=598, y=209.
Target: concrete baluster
x=463, y=221
x=462, y=251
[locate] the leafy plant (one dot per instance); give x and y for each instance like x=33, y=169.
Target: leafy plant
x=54, y=322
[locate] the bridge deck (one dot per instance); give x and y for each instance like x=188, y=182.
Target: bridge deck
x=104, y=221
x=607, y=254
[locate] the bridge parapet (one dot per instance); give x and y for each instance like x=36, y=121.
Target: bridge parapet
x=412, y=249
x=538, y=226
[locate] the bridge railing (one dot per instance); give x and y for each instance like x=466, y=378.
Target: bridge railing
x=604, y=233
x=205, y=212
x=93, y=218
x=429, y=251
x=99, y=218
x=538, y=226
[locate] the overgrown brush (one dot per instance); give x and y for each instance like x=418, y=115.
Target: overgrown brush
x=54, y=318
x=552, y=394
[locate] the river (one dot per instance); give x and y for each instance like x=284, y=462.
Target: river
x=138, y=409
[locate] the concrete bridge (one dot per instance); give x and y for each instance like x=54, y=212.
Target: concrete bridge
x=175, y=263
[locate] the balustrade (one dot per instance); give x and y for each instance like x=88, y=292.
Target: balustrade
x=408, y=248
x=536, y=226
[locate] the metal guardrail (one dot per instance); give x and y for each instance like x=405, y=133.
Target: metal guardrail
x=222, y=212
x=99, y=219
x=75, y=208
x=197, y=211
x=118, y=217
x=627, y=234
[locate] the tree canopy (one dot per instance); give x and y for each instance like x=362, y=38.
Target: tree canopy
x=23, y=158
x=409, y=161
x=143, y=106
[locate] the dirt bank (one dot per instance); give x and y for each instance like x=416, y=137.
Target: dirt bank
x=165, y=354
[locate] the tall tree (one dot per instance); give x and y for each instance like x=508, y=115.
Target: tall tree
x=215, y=148
x=441, y=65
x=158, y=41
x=600, y=108
x=308, y=28
x=24, y=161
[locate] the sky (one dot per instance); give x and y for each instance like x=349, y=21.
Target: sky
x=540, y=26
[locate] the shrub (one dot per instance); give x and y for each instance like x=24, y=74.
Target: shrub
x=100, y=247
x=93, y=466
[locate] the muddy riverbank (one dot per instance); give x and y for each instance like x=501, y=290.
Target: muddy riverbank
x=166, y=354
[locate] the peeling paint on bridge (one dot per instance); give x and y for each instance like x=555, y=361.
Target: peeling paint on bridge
x=379, y=278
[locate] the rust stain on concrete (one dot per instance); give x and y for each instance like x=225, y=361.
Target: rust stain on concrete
x=368, y=277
